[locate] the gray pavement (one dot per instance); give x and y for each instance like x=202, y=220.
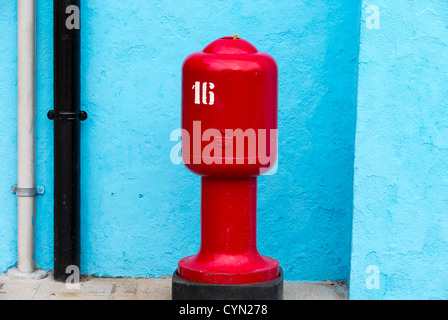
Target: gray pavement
x=92, y=288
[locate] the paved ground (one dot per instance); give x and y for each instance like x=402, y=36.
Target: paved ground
x=141, y=289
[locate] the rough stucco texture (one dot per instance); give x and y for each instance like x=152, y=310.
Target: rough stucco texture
x=401, y=160
x=140, y=212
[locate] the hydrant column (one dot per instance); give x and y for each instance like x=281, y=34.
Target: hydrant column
x=228, y=216
x=229, y=137
x=228, y=253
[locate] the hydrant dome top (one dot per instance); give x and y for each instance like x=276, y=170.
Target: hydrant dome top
x=229, y=45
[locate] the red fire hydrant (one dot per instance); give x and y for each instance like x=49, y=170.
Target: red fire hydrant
x=229, y=137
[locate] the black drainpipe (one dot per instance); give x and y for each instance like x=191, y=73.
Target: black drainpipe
x=67, y=117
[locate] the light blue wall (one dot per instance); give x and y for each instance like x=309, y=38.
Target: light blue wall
x=140, y=213
x=401, y=166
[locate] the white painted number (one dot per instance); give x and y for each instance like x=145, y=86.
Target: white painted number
x=206, y=93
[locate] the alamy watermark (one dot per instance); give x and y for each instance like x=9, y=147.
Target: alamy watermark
x=373, y=279
x=73, y=20
x=373, y=20
x=228, y=146
x=74, y=278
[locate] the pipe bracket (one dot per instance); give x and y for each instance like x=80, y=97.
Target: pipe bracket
x=66, y=115
x=28, y=192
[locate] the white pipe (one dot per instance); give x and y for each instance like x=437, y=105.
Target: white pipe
x=26, y=125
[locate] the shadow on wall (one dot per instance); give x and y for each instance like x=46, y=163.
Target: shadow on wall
x=310, y=199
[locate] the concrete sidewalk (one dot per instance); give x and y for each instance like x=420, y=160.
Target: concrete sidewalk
x=92, y=288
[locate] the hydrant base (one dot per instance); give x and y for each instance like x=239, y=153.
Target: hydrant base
x=189, y=290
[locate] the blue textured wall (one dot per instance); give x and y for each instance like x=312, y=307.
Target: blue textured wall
x=140, y=213
x=8, y=131
x=8, y=139
x=401, y=163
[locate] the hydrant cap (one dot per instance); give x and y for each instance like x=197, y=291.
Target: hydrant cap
x=230, y=45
